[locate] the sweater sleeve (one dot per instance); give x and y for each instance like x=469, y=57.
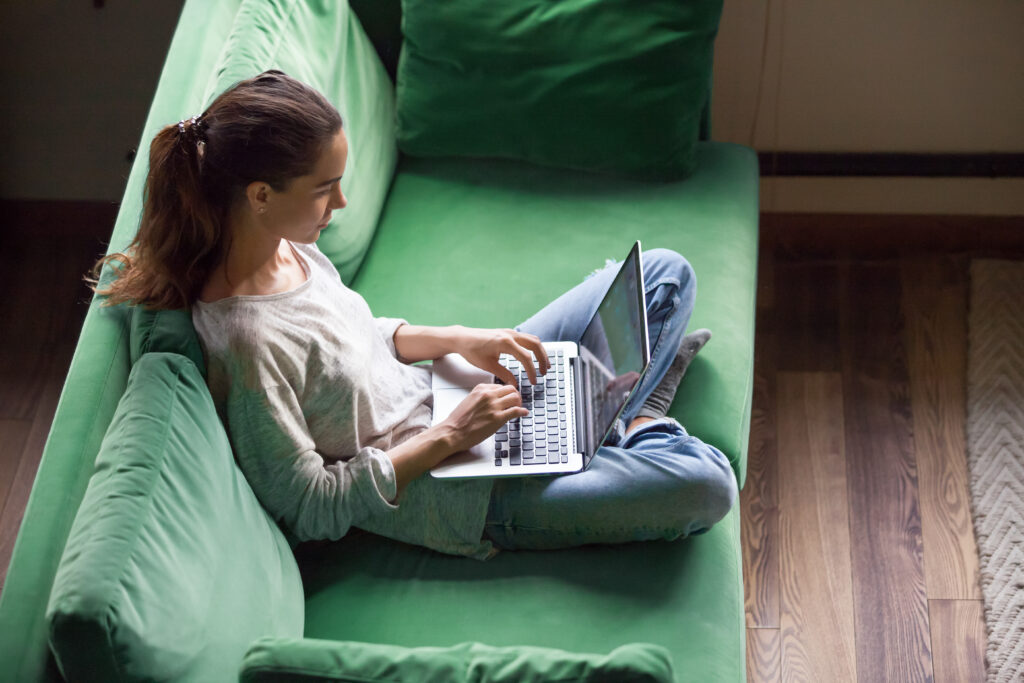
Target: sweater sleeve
x=386, y=327
x=278, y=457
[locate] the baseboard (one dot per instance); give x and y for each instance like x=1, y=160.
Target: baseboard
x=833, y=164
x=894, y=195
x=831, y=235
x=57, y=218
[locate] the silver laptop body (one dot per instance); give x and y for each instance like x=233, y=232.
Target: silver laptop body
x=574, y=407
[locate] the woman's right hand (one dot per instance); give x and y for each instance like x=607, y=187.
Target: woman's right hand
x=481, y=413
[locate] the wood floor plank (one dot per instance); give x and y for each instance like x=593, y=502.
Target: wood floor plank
x=807, y=319
x=13, y=508
x=13, y=435
x=22, y=378
x=958, y=640
x=890, y=603
x=763, y=655
x=817, y=621
x=50, y=298
x=935, y=306
x=766, y=279
x=36, y=274
x=759, y=511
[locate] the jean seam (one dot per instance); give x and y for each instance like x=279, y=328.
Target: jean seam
x=675, y=306
x=573, y=534
x=579, y=536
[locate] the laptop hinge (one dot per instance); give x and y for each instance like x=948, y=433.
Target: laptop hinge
x=582, y=410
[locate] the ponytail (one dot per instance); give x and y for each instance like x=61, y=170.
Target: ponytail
x=269, y=128
x=180, y=239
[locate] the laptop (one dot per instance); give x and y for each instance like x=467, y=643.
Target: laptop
x=573, y=408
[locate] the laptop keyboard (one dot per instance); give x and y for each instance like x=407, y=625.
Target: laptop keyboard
x=541, y=437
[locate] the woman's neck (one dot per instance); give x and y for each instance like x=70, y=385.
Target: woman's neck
x=256, y=264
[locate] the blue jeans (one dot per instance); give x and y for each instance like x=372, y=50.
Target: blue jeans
x=657, y=482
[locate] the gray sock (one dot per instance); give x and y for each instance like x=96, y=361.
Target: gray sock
x=658, y=402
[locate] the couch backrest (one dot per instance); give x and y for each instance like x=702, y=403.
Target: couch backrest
x=323, y=45
x=382, y=21
x=247, y=37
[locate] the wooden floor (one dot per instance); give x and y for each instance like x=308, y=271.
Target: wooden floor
x=44, y=251
x=859, y=557
x=860, y=562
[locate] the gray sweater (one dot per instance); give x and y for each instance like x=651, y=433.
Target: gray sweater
x=311, y=392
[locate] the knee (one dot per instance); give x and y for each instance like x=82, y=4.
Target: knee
x=720, y=494
x=711, y=493
x=665, y=264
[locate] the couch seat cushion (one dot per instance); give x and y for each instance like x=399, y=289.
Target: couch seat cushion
x=685, y=596
x=487, y=243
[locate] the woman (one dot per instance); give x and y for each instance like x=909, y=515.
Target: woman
x=329, y=421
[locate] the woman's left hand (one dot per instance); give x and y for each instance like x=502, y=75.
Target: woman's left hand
x=482, y=347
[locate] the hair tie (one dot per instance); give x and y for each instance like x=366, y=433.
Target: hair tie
x=195, y=127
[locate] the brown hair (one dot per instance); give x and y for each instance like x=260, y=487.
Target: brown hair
x=270, y=128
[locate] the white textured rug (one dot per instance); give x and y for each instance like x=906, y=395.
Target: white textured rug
x=995, y=455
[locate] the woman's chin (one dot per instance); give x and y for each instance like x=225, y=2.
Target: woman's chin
x=309, y=239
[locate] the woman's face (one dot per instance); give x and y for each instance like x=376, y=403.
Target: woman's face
x=300, y=212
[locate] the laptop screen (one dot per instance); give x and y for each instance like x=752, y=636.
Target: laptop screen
x=614, y=346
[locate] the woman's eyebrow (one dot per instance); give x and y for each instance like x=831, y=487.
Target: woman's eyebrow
x=329, y=182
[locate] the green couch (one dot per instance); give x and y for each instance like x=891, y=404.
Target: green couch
x=187, y=559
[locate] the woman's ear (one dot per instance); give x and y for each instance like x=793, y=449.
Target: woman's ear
x=257, y=194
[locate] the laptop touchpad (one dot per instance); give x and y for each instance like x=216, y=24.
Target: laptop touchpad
x=455, y=372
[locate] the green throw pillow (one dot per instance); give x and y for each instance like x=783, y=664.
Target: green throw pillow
x=172, y=568
x=344, y=66
x=611, y=86
x=273, y=660
x=164, y=331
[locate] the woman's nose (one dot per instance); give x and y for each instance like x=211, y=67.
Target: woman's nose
x=338, y=199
